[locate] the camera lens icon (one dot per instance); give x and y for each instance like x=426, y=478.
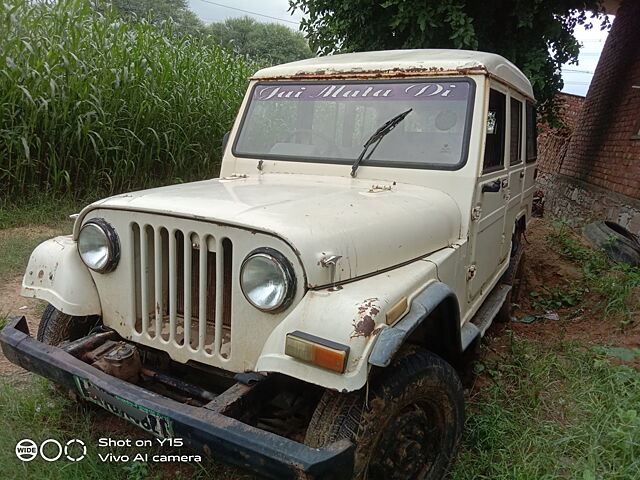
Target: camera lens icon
x=74, y=450
x=26, y=450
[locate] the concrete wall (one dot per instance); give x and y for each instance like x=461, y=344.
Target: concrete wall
x=598, y=175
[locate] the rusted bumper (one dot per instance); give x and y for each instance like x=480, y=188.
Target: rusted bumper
x=204, y=428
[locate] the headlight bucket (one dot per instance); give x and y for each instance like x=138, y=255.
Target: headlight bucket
x=267, y=280
x=99, y=245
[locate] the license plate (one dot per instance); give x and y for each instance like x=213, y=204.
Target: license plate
x=154, y=423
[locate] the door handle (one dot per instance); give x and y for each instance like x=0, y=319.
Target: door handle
x=521, y=174
x=492, y=186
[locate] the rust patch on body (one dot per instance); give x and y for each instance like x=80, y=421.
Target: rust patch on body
x=364, y=324
x=397, y=72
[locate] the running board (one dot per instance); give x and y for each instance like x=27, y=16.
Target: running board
x=483, y=318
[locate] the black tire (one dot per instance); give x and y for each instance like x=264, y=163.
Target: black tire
x=57, y=327
x=408, y=428
x=616, y=241
x=512, y=277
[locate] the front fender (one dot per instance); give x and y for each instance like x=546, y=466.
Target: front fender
x=56, y=274
x=352, y=314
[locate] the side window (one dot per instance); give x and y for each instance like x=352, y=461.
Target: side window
x=515, y=144
x=494, y=147
x=532, y=149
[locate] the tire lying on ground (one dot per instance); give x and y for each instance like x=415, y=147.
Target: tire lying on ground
x=617, y=242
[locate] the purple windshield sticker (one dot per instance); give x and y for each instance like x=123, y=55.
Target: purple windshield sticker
x=445, y=90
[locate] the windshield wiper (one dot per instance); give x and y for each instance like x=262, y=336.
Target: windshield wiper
x=377, y=138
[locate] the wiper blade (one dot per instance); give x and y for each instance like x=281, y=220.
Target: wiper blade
x=377, y=137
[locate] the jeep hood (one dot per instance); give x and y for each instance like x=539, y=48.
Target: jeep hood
x=372, y=227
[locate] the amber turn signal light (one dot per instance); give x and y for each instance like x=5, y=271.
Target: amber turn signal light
x=318, y=351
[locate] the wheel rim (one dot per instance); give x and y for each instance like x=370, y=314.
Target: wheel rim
x=410, y=445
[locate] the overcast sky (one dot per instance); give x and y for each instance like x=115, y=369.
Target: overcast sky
x=576, y=77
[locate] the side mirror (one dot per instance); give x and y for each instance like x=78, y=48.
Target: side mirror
x=225, y=139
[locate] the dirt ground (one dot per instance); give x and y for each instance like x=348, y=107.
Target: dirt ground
x=545, y=267
x=13, y=305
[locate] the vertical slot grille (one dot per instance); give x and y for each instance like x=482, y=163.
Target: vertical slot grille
x=194, y=258
x=182, y=288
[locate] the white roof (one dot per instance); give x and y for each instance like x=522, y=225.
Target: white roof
x=407, y=62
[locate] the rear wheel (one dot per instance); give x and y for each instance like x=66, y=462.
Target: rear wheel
x=512, y=277
x=408, y=428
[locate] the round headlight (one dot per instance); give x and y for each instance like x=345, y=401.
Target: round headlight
x=267, y=280
x=98, y=245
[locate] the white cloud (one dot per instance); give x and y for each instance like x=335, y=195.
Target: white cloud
x=578, y=77
x=262, y=10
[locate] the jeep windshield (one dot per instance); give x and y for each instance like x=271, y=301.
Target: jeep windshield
x=328, y=122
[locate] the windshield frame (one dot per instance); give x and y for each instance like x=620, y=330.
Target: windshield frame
x=378, y=163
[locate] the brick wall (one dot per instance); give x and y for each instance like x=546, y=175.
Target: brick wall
x=594, y=173
x=604, y=149
x=553, y=142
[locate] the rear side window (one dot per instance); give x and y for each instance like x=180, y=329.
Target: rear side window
x=494, y=146
x=515, y=144
x=532, y=149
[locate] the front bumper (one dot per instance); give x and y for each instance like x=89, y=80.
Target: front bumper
x=204, y=428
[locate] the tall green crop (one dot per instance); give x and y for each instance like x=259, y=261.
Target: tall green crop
x=90, y=104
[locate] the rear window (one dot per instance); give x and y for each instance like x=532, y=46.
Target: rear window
x=515, y=144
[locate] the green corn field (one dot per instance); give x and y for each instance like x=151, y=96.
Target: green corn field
x=92, y=105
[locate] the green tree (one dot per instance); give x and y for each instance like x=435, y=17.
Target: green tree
x=265, y=42
x=157, y=11
x=536, y=35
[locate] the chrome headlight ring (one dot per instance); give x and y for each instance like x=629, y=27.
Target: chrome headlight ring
x=99, y=245
x=267, y=280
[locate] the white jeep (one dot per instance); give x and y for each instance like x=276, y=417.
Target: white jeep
x=300, y=314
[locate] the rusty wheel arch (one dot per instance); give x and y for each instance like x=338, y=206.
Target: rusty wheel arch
x=433, y=322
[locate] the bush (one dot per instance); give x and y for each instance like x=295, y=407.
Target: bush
x=90, y=104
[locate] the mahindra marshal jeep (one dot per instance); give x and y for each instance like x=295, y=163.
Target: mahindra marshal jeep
x=300, y=315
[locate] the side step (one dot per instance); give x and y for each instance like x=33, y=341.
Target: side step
x=483, y=318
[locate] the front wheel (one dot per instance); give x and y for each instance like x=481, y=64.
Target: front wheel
x=57, y=327
x=408, y=427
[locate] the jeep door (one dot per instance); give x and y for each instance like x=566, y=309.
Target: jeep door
x=515, y=141
x=491, y=195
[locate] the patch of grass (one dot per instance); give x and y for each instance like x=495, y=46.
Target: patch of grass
x=23, y=227
x=558, y=411
x=42, y=210
x=569, y=295
x=16, y=247
x=42, y=413
x=617, y=283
